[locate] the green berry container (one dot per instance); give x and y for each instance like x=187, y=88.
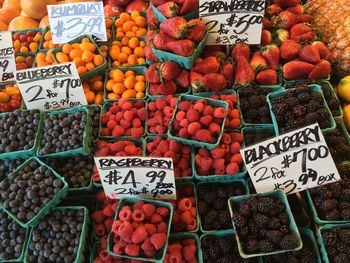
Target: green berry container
x=319, y=231
x=256, y=129
x=329, y=86
x=241, y=182
x=139, y=70
x=314, y=88
x=85, y=149
x=83, y=235
x=150, y=138
x=214, y=103
x=24, y=154
x=94, y=251
x=130, y=201
x=48, y=207
x=24, y=246
x=187, y=235
x=233, y=203
x=184, y=62
x=162, y=18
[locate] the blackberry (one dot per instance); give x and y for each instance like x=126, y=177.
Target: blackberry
x=313, y=106
x=292, y=102
x=303, y=97
x=311, y=118
x=274, y=236
x=202, y=207
x=225, y=218
x=254, y=101
x=251, y=113
x=329, y=204
x=332, y=215
x=238, y=220
x=261, y=219
x=317, y=97
x=244, y=208
x=264, y=111
x=219, y=204
x=266, y=205
x=266, y=120
x=300, y=110
x=265, y=246
x=344, y=235
x=252, y=246
x=274, y=223
x=341, y=258
x=322, y=114
x=284, y=219
x=224, y=245
x=253, y=227
x=345, y=214
x=284, y=229
x=210, y=218
x=279, y=109
x=244, y=105
x=289, y=242
x=221, y=192
x=330, y=237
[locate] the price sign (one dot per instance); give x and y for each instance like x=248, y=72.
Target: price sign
x=7, y=58
x=68, y=21
x=232, y=21
x=52, y=87
x=293, y=162
x=145, y=177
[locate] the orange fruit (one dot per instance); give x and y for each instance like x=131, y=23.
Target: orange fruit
x=118, y=88
x=134, y=14
x=90, y=96
x=89, y=66
x=24, y=49
x=141, y=32
x=129, y=73
x=98, y=60
x=67, y=48
x=109, y=84
x=108, y=22
x=113, y=96
x=116, y=64
x=129, y=82
x=139, y=51
x=48, y=35
x=130, y=93
x=117, y=75
x=122, y=57
x=99, y=98
x=62, y=57
x=40, y=57
x=12, y=90
x=86, y=86
x=132, y=60
x=87, y=56
x=134, y=42
x=4, y=97
x=126, y=50
x=82, y=70
x=75, y=53
x=118, y=23
x=33, y=47
x=141, y=61
x=130, y=34
x=125, y=17
x=20, y=59
x=87, y=46
x=140, y=95
x=125, y=41
x=140, y=21
x=49, y=58
x=97, y=85
x=139, y=78
x=78, y=61
x=140, y=86
x=119, y=35
x=85, y=40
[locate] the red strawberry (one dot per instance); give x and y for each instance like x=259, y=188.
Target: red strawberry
x=196, y=81
x=272, y=55
x=182, y=47
x=175, y=27
x=298, y=9
x=273, y=10
x=149, y=37
x=152, y=73
x=321, y=71
x=258, y=61
x=167, y=88
x=158, y=2
x=183, y=79
x=267, y=77
x=196, y=29
x=149, y=54
x=152, y=20
x=290, y=49
x=169, y=70
x=267, y=24
x=281, y=35
x=324, y=51
x=189, y=6
x=207, y=65
x=228, y=71
x=302, y=32
x=161, y=40
x=169, y=9
x=285, y=20
x=240, y=50
x=244, y=72
x=310, y=54
x=266, y=37
x=287, y=3
x=297, y=70
x=215, y=81
x=306, y=18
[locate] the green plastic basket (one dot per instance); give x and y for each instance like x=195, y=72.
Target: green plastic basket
x=87, y=136
x=94, y=251
x=162, y=18
x=329, y=86
x=320, y=242
x=48, y=207
x=40, y=30
x=256, y=129
x=130, y=201
x=222, y=182
x=281, y=196
x=314, y=88
x=24, y=246
x=187, y=235
x=83, y=235
x=139, y=70
x=215, y=103
x=184, y=62
x=92, y=73
x=24, y=154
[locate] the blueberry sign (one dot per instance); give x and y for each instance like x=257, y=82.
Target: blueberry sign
x=7, y=58
x=145, y=177
x=293, y=162
x=232, y=21
x=68, y=21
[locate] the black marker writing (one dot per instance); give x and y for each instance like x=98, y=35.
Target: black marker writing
x=220, y=7
x=76, y=10
x=45, y=73
x=109, y=164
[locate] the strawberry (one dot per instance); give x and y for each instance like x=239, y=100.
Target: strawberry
x=196, y=29
x=302, y=32
x=273, y=10
x=297, y=70
x=266, y=37
x=281, y=35
x=152, y=73
x=244, y=72
x=189, y=6
x=183, y=79
x=285, y=20
x=290, y=49
x=310, y=54
x=158, y=2
x=167, y=88
x=149, y=36
x=267, y=77
x=240, y=50
x=321, y=71
x=161, y=40
x=175, y=27
x=286, y=3
x=169, y=9
x=306, y=18
x=196, y=81
x=267, y=24
x=298, y=9
x=324, y=51
x=228, y=71
x=152, y=20
x=169, y=70
x=207, y=65
x=258, y=61
x=182, y=47
x=149, y=54
x=215, y=81
x=272, y=55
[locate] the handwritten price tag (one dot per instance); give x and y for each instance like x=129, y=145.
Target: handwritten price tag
x=232, y=21
x=52, y=87
x=68, y=21
x=146, y=177
x=7, y=58
x=293, y=162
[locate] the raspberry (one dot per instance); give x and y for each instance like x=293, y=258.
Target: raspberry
x=125, y=231
x=104, y=242
x=184, y=123
x=175, y=257
x=125, y=124
x=156, y=218
x=163, y=211
x=232, y=168
x=136, y=123
x=162, y=227
x=139, y=235
x=237, y=137
x=132, y=250
x=115, y=226
x=183, y=133
x=192, y=115
x=108, y=224
x=204, y=135
x=217, y=153
x=208, y=110
x=219, y=164
x=214, y=128
x=158, y=240
x=100, y=229
x=206, y=163
x=235, y=123
x=169, y=111
x=180, y=115
x=118, y=131
x=186, y=217
x=111, y=124
x=125, y=214
x=147, y=245
x=128, y=115
x=185, y=204
x=219, y=113
x=199, y=107
x=206, y=120
x=184, y=105
x=152, y=106
x=118, y=248
x=148, y=210
x=137, y=132
x=189, y=252
x=192, y=225
x=175, y=146
x=149, y=253
x=108, y=211
x=98, y=216
x=138, y=215
x=142, y=114
x=237, y=158
x=193, y=127
x=174, y=247
x=161, y=103
x=235, y=147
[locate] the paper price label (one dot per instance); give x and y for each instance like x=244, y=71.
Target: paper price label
x=7, y=58
x=145, y=177
x=68, y=21
x=52, y=87
x=293, y=162
x=232, y=21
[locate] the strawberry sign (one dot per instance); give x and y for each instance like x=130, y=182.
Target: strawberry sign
x=232, y=21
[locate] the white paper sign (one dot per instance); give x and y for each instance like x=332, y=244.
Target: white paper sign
x=68, y=21
x=7, y=58
x=232, y=21
x=293, y=162
x=52, y=87
x=145, y=177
